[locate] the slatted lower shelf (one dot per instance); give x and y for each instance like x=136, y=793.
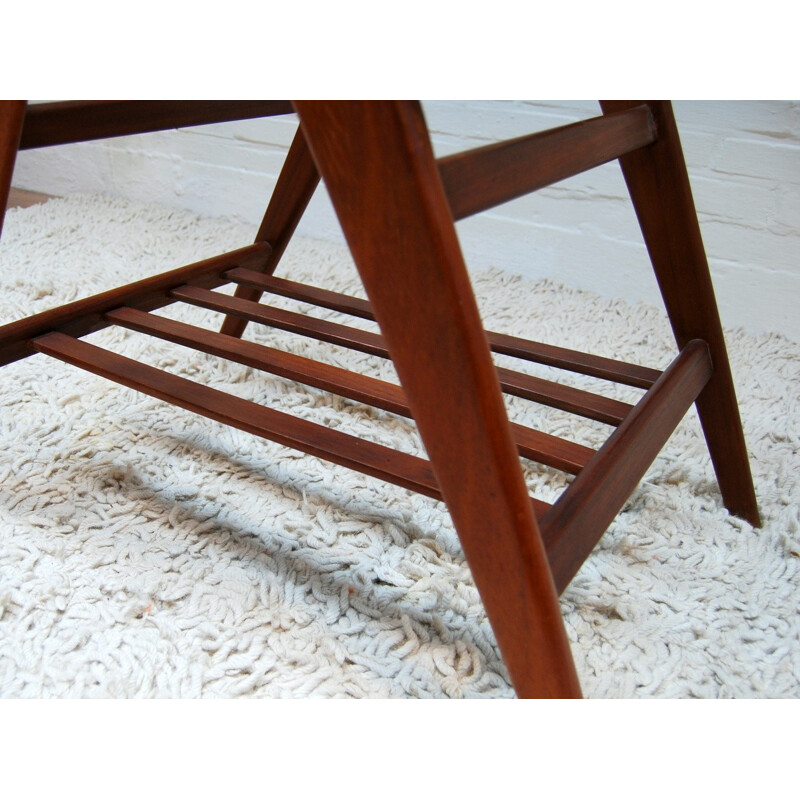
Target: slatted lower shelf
x=529, y=387
x=570, y=526
x=373, y=459
x=575, y=523
x=536, y=445
x=548, y=354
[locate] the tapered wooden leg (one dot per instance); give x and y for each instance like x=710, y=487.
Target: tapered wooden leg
x=12, y=115
x=379, y=169
x=659, y=186
x=293, y=191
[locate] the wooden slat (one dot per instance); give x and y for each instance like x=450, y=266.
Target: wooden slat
x=536, y=445
x=576, y=401
x=340, y=448
x=321, y=329
x=86, y=315
x=317, y=440
x=293, y=191
x=567, y=398
x=484, y=177
x=57, y=123
x=659, y=186
x=12, y=115
x=573, y=360
x=576, y=522
x=550, y=355
x=552, y=451
x=379, y=170
x=305, y=293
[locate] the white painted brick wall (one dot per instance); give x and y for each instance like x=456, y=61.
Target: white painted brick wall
x=743, y=159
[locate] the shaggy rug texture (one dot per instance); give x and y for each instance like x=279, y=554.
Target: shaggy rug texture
x=148, y=552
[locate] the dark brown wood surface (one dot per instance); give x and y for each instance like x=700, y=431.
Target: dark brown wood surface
x=341, y=448
x=397, y=207
x=317, y=440
x=86, y=315
x=293, y=191
x=379, y=169
x=484, y=177
x=12, y=115
x=63, y=122
x=576, y=522
x=536, y=445
x=662, y=197
x=529, y=387
x=550, y=355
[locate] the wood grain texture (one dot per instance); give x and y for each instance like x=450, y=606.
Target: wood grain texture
x=662, y=197
x=381, y=462
x=86, y=315
x=293, y=191
x=64, y=122
x=379, y=169
x=576, y=522
x=12, y=115
x=529, y=387
x=372, y=459
x=550, y=355
x=485, y=177
x=397, y=206
x=536, y=445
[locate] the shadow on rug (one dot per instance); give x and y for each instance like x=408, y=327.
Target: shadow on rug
x=148, y=552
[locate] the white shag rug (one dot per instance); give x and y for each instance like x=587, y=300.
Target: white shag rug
x=149, y=552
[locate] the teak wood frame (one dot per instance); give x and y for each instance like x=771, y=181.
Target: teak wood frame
x=397, y=205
